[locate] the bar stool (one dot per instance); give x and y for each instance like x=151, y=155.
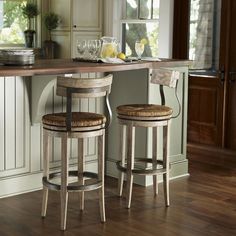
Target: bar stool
x=149, y=116
x=79, y=125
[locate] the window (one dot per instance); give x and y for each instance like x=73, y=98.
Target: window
x=12, y=22
x=204, y=34
x=140, y=21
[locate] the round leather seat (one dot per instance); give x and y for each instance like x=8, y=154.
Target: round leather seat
x=79, y=119
x=144, y=110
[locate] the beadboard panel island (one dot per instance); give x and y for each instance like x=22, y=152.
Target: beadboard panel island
x=28, y=92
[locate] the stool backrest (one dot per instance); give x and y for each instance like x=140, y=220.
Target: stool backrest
x=70, y=87
x=84, y=87
x=166, y=77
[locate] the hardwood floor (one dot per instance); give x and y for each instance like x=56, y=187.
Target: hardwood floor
x=202, y=204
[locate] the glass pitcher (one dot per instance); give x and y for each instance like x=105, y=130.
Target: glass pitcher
x=109, y=47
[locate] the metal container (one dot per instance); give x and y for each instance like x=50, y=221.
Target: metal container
x=17, y=56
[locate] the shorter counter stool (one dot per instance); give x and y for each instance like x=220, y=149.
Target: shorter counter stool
x=79, y=125
x=145, y=115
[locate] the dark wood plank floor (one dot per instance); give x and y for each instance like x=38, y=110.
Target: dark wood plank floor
x=202, y=204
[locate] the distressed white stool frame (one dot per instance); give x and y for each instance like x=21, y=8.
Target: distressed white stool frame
x=127, y=142
x=127, y=145
x=81, y=88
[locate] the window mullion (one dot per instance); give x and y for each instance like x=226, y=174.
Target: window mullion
x=152, y=9
x=141, y=21
x=138, y=17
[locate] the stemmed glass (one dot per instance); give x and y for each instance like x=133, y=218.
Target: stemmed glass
x=139, y=48
x=94, y=46
x=81, y=47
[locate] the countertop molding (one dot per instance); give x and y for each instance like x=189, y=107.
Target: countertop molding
x=68, y=66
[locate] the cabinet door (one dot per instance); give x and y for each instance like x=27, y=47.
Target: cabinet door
x=62, y=8
x=82, y=35
x=230, y=129
x=205, y=110
x=62, y=39
x=87, y=15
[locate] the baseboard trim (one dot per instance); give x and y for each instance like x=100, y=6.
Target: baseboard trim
x=29, y=182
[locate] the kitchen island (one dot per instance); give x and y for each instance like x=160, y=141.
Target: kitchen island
x=28, y=92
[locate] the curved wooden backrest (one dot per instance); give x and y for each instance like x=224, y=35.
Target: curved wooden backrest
x=166, y=77
x=84, y=87
x=70, y=87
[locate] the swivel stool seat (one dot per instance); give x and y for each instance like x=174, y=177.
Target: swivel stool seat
x=79, y=125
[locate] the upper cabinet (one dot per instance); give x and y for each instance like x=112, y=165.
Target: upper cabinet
x=87, y=15
x=78, y=19
x=63, y=9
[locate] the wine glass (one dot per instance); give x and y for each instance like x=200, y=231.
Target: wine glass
x=94, y=47
x=139, y=48
x=81, y=47
x=99, y=45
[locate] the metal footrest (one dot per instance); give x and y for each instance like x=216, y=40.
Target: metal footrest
x=144, y=171
x=85, y=187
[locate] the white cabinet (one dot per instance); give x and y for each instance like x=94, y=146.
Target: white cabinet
x=123, y=92
x=63, y=9
x=87, y=15
x=63, y=40
x=78, y=19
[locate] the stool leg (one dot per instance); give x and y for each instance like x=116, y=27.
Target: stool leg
x=166, y=163
x=122, y=155
x=154, y=158
x=101, y=165
x=81, y=170
x=46, y=152
x=130, y=161
x=64, y=181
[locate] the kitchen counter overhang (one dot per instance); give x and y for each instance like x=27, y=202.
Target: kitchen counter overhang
x=68, y=66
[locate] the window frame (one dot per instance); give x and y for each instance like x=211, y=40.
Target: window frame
x=35, y=25
x=138, y=20
x=166, y=16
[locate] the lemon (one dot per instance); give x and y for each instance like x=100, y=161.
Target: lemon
x=144, y=41
x=121, y=55
x=108, y=50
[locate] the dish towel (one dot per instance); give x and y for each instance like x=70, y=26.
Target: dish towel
x=165, y=77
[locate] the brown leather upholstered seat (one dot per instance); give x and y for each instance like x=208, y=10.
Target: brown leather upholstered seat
x=79, y=119
x=144, y=110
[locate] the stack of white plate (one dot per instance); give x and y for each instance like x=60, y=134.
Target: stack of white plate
x=17, y=56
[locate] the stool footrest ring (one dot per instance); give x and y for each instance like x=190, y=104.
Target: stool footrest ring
x=86, y=187
x=154, y=171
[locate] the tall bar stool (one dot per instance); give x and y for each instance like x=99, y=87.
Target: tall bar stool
x=79, y=125
x=149, y=116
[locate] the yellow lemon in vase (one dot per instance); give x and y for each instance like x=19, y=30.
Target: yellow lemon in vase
x=108, y=50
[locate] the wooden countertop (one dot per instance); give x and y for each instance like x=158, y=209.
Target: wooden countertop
x=67, y=66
